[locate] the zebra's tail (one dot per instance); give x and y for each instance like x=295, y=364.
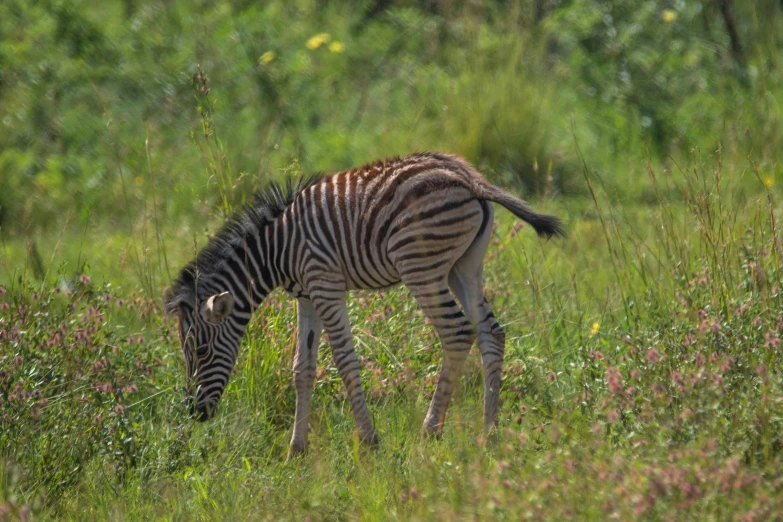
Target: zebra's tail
x=544, y=225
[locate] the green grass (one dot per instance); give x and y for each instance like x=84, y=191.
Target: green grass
x=641, y=378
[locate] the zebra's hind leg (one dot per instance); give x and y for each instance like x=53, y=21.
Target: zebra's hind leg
x=492, y=346
x=309, y=333
x=465, y=280
x=456, y=335
x=331, y=308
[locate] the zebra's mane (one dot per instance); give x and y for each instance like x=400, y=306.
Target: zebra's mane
x=269, y=203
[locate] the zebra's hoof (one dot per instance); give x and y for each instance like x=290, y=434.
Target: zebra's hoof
x=370, y=440
x=432, y=432
x=297, y=447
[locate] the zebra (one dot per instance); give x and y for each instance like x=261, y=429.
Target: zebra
x=424, y=220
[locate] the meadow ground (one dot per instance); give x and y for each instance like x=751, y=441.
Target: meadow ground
x=641, y=378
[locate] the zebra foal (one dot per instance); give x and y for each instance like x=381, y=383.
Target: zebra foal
x=424, y=220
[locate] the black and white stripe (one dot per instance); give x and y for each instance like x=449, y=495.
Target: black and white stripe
x=424, y=220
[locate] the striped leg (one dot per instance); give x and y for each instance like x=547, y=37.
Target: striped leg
x=465, y=280
x=456, y=337
x=304, y=371
x=331, y=308
x=491, y=339
x=492, y=346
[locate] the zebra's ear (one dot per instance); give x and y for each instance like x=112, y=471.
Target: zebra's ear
x=217, y=307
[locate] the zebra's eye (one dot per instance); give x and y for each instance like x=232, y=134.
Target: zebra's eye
x=202, y=351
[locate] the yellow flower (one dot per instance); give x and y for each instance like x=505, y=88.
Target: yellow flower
x=336, y=47
x=266, y=57
x=769, y=181
x=594, y=329
x=139, y=181
x=318, y=40
x=668, y=16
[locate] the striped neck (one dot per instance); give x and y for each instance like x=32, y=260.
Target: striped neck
x=255, y=267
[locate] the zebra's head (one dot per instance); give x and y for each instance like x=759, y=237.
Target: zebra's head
x=210, y=338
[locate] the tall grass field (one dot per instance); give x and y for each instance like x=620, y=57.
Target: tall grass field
x=642, y=378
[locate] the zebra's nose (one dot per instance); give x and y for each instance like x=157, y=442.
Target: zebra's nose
x=201, y=412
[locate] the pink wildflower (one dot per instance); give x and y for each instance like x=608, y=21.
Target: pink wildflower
x=519, y=226
x=614, y=379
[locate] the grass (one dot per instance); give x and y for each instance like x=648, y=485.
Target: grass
x=641, y=377
x=641, y=380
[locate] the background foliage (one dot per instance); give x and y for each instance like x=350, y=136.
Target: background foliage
x=642, y=375
x=85, y=86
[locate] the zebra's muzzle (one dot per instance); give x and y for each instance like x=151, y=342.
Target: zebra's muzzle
x=201, y=412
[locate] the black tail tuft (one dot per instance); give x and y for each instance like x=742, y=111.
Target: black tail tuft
x=546, y=226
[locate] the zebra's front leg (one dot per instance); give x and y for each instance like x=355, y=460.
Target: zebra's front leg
x=305, y=361
x=332, y=309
